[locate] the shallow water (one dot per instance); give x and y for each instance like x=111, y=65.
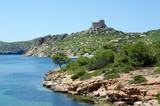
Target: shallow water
x=21, y=81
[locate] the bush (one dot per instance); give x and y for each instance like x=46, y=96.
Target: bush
x=118, y=87
x=110, y=46
x=108, y=76
x=101, y=59
x=83, y=60
x=138, y=79
x=63, y=69
x=72, y=66
x=75, y=76
x=86, y=76
x=97, y=73
x=157, y=71
x=158, y=97
x=141, y=54
x=80, y=72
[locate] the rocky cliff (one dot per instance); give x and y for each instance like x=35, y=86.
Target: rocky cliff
x=109, y=90
x=15, y=47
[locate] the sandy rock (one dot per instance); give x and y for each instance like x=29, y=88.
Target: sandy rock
x=148, y=103
x=120, y=103
x=152, y=93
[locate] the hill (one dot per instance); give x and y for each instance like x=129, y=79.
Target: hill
x=15, y=47
x=89, y=41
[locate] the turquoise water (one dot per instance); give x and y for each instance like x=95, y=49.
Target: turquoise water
x=21, y=81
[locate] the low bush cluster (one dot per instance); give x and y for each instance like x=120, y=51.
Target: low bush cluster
x=138, y=79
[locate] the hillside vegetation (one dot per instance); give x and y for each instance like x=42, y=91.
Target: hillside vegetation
x=15, y=47
x=90, y=41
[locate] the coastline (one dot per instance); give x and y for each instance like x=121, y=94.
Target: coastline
x=102, y=91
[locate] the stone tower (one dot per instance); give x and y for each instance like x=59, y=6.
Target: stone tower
x=99, y=24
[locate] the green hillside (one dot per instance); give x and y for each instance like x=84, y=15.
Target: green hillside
x=91, y=41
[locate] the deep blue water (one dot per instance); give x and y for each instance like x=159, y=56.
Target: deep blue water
x=21, y=81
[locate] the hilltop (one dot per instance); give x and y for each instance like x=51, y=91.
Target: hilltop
x=15, y=47
x=87, y=42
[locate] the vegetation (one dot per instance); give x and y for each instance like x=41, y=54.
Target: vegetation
x=157, y=71
x=60, y=58
x=111, y=63
x=114, y=52
x=118, y=87
x=158, y=97
x=138, y=79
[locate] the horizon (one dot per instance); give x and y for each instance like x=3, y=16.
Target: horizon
x=26, y=20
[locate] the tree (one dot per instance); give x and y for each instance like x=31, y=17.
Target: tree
x=141, y=54
x=83, y=60
x=60, y=58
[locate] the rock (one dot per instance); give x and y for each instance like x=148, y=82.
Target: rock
x=148, y=103
x=97, y=88
x=152, y=93
x=139, y=103
x=120, y=103
x=48, y=83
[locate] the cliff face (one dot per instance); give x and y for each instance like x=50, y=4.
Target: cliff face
x=38, y=49
x=15, y=47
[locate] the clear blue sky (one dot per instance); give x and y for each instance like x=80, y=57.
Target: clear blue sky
x=22, y=20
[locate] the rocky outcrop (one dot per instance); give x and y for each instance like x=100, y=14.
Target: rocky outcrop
x=38, y=49
x=98, y=88
x=49, y=39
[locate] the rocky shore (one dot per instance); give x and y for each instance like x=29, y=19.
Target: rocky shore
x=117, y=90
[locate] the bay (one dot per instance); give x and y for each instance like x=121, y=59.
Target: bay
x=21, y=80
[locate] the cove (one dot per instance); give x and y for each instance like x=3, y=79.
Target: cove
x=21, y=83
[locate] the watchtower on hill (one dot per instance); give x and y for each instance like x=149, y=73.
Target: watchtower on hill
x=99, y=24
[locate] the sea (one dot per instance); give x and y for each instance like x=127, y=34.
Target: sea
x=21, y=83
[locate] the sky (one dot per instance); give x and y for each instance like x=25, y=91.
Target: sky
x=22, y=20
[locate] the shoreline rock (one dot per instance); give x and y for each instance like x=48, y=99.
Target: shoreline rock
x=98, y=88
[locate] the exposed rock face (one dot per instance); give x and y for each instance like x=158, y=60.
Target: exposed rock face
x=96, y=87
x=99, y=24
x=42, y=43
x=49, y=39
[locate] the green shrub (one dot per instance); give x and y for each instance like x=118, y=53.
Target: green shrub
x=157, y=71
x=86, y=76
x=83, y=60
x=158, y=97
x=118, y=87
x=111, y=76
x=110, y=46
x=75, y=76
x=72, y=66
x=63, y=69
x=80, y=72
x=138, y=79
x=141, y=54
x=101, y=59
x=97, y=73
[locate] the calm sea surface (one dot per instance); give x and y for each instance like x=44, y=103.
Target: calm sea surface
x=21, y=81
